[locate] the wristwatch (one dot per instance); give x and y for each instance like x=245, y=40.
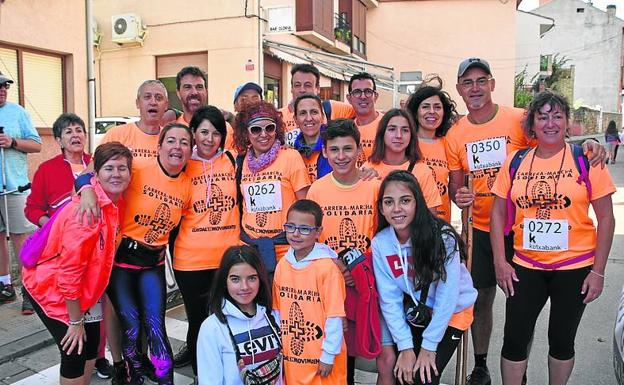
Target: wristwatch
x=13, y=143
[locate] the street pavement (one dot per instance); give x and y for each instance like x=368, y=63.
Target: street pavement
x=27, y=356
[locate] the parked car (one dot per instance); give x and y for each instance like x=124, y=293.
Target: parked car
x=618, y=343
x=104, y=123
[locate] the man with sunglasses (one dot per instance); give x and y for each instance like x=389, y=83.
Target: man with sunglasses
x=478, y=145
x=306, y=79
x=363, y=96
x=17, y=138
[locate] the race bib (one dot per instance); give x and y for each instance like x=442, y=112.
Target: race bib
x=94, y=314
x=291, y=136
x=545, y=235
x=263, y=197
x=487, y=153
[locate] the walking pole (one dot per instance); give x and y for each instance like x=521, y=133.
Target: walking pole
x=4, y=192
x=462, y=348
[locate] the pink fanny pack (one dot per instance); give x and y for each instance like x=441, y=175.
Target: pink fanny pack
x=35, y=244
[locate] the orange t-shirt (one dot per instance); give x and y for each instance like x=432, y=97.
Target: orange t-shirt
x=339, y=110
x=367, y=137
x=550, y=199
x=143, y=146
x=154, y=203
x=310, y=163
x=229, y=139
x=207, y=230
x=435, y=157
x=423, y=175
x=305, y=299
x=268, y=194
x=350, y=212
x=481, y=149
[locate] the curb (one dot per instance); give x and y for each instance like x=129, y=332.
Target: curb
x=25, y=345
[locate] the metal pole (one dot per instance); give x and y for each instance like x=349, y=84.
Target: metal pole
x=260, y=49
x=90, y=75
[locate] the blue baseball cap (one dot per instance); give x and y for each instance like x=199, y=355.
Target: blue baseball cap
x=245, y=87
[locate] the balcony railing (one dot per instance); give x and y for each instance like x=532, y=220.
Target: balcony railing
x=342, y=28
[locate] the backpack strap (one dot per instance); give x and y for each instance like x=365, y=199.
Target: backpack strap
x=582, y=166
x=514, y=165
x=410, y=168
x=230, y=157
x=240, y=158
x=327, y=108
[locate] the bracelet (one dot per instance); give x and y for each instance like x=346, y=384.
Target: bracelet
x=13, y=143
x=598, y=274
x=76, y=323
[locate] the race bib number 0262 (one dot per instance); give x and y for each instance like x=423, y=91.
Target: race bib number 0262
x=487, y=153
x=545, y=235
x=263, y=197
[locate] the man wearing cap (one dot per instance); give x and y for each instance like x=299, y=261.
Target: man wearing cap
x=306, y=79
x=18, y=138
x=249, y=92
x=478, y=145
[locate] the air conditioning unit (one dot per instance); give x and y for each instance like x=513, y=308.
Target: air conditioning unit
x=127, y=29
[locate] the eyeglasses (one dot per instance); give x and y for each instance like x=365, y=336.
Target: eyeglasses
x=368, y=92
x=256, y=130
x=303, y=229
x=469, y=83
x=6, y=85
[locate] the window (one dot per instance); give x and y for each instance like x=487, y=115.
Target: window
x=40, y=89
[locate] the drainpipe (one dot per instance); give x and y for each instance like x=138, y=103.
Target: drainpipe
x=260, y=51
x=90, y=75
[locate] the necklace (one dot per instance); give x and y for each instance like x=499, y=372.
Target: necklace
x=553, y=198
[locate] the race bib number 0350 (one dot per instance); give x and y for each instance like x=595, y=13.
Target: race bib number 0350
x=263, y=197
x=487, y=153
x=545, y=235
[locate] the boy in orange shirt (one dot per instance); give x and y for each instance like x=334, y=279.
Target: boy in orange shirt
x=308, y=297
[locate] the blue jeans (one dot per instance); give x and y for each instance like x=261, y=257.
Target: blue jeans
x=140, y=295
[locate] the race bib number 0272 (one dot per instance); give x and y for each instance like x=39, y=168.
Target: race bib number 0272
x=545, y=235
x=487, y=153
x=263, y=197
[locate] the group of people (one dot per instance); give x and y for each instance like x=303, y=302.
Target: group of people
x=305, y=237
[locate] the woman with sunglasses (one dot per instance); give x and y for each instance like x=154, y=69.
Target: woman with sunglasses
x=396, y=148
x=560, y=255
x=212, y=223
x=434, y=113
x=418, y=265
x=309, y=116
x=270, y=178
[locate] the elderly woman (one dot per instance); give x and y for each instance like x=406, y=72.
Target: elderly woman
x=560, y=255
x=69, y=280
x=53, y=182
x=271, y=179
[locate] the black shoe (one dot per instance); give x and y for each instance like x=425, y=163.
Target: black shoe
x=182, y=357
x=479, y=376
x=7, y=293
x=147, y=368
x=103, y=368
x=120, y=374
x=524, y=379
x=27, y=308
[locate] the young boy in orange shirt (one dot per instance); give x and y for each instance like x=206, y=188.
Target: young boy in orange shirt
x=308, y=298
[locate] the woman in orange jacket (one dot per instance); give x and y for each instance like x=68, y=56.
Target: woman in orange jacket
x=72, y=273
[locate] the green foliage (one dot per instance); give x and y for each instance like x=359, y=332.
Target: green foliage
x=522, y=97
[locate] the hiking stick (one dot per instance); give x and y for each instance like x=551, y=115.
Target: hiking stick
x=462, y=348
x=4, y=192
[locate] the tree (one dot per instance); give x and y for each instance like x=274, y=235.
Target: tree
x=522, y=96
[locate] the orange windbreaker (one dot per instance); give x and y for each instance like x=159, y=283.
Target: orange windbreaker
x=77, y=260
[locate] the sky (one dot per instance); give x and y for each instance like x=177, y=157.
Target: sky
x=528, y=5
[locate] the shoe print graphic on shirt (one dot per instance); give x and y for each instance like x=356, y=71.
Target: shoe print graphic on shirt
x=300, y=329
x=159, y=224
x=489, y=173
x=541, y=195
x=218, y=204
x=348, y=238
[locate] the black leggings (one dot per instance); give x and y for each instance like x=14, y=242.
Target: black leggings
x=445, y=351
x=195, y=287
x=72, y=365
x=531, y=292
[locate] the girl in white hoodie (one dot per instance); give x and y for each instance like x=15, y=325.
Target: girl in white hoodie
x=239, y=342
x=414, y=251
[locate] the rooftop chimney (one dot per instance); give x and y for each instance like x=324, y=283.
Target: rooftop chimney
x=611, y=13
